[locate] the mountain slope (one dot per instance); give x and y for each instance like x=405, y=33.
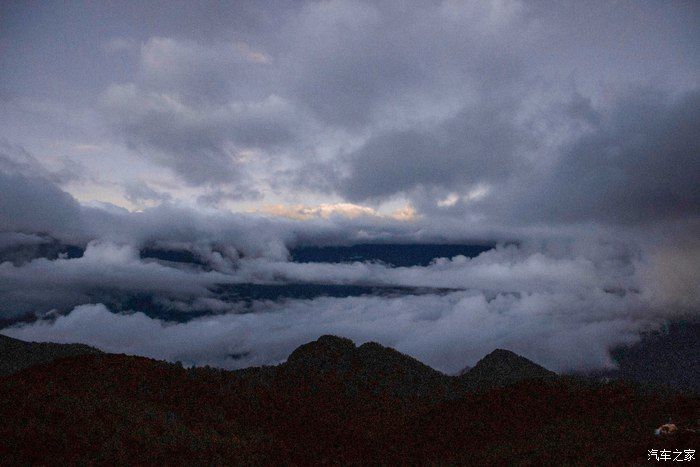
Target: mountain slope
x=16, y=355
x=370, y=366
x=116, y=409
x=501, y=368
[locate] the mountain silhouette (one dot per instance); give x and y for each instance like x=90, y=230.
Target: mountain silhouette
x=501, y=368
x=330, y=402
x=16, y=354
x=369, y=366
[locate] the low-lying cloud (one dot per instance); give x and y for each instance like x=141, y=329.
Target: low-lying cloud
x=448, y=332
x=562, y=304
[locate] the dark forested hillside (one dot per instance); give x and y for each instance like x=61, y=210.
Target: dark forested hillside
x=16, y=354
x=332, y=402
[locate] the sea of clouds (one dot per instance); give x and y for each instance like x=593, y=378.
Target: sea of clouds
x=567, y=135
x=562, y=300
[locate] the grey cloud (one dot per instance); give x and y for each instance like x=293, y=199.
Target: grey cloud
x=35, y=205
x=137, y=192
x=15, y=159
x=199, y=143
x=479, y=144
x=353, y=62
x=347, y=65
x=206, y=73
x=512, y=269
x=119, y=45
x=637, y=165
x=561, y=303
x=446, y=332
x=14, y=239
x=42, y=285
x=217, y=196
x=446, y=95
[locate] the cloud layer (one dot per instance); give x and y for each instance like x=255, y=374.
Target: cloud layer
x=446, y=332
x=563, y=302
x=565, y=133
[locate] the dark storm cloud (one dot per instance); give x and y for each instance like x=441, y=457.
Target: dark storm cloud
x=477, y=145
x=352, y=61
x=345, y=65
x=200, y=143
x=425, y=102
x=35, y=205
x=639, y=164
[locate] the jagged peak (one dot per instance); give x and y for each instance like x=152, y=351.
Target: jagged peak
x=502, y=367
x=327, y=346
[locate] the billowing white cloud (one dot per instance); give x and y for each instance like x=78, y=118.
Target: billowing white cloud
x=448, y=332
x=43, y=285
x=562, y=304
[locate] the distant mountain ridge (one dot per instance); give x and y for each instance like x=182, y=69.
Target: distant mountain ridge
x=376, y=369
x=368, y=365
x=386, y=369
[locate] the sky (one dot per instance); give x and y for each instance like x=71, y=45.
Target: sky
x=565, y=132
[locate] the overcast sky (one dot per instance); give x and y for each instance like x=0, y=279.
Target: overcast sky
x=243, y=128
x=506, y=107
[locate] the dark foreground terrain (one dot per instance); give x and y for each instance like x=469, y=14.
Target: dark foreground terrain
x=331, y=402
